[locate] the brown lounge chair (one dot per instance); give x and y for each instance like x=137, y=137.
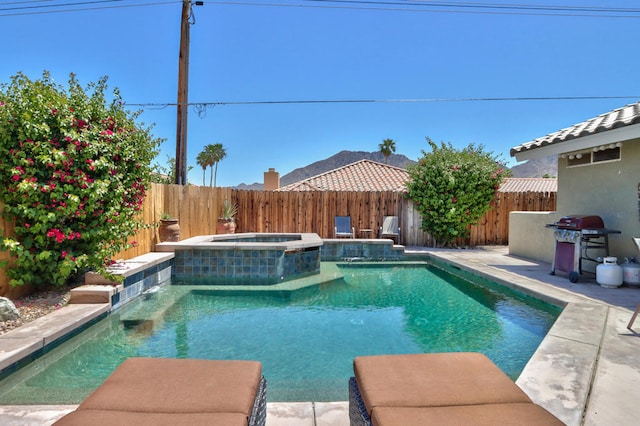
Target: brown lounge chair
x=163, y=391
x=438, y=389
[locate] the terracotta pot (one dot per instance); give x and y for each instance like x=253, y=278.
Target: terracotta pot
x=226, y=226
x=169, y=230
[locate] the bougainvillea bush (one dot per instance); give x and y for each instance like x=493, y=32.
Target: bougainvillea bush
x=452, y=189
x=74, y=168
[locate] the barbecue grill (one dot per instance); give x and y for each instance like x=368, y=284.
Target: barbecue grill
x=577, y=238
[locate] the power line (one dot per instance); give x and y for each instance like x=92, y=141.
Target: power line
x=202, y=106
x=62, y=5
x=479, y=5
x=456, y=7
x=16, y=10
x=429, y=6
x=23, y=2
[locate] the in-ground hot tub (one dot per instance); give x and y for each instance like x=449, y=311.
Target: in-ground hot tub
x=248, y=258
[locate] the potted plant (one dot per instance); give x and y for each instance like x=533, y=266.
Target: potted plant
x=169, y=228
x=226, y=222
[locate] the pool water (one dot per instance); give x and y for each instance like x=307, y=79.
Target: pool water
x=306, y=339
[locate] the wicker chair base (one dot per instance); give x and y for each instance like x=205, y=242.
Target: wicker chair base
x=259, y=411
x=358, y=415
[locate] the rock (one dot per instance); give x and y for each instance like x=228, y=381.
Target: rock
x=8, y=311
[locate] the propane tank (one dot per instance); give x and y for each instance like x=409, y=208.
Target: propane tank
x=631, y=273
x=609, y=273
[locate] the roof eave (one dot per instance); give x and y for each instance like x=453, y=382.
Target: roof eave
x=580, y=143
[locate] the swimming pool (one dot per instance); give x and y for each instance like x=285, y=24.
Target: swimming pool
x=305, y=338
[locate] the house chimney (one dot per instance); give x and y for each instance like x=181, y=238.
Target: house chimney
x=271, y=180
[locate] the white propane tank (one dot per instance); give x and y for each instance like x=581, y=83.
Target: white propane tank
x=631, y=274
x=609, y=273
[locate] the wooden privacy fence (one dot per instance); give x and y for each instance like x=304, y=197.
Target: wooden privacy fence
x=493, y=228
x=198, y=208
x=311, y=211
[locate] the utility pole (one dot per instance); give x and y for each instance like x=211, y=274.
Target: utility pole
x=183, y=92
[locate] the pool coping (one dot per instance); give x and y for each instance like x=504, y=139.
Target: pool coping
x=226, y=241
x=28, y=340
x=585, y=371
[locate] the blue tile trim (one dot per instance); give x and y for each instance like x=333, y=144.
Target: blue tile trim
x=52, y=345
x=136, y=284
x=269, y=266
x=333, y=250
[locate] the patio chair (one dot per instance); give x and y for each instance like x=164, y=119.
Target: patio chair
x=390, y=228
x=439, y=389
x=165, y=391
x=343, y=228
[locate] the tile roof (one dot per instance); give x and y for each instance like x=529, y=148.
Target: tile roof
x=621, y=117
x=367, y=175
x=529, y=185
x=363, y=175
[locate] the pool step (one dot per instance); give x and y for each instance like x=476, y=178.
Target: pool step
x=149, y=315
x=93, y=293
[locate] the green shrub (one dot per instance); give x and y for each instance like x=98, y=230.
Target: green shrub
x=74, y=170
x=452, y=189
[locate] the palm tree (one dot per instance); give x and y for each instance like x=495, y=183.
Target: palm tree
x=216, y=152
x=203, y=162
x=387, y=147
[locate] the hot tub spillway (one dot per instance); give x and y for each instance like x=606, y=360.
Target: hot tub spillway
x=249, y=258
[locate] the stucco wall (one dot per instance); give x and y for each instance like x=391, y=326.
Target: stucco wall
x=528, y=236
x=609, y=190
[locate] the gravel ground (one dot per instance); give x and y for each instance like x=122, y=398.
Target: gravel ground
x=37, y=305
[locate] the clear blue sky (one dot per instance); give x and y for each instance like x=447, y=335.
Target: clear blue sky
x=248, y=51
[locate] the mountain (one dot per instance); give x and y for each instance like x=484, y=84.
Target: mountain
x=537, y=168
x=339, y=160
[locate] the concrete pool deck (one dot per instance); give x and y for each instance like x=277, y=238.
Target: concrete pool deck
x=586, y=371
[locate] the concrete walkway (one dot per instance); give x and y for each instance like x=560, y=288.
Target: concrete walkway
x=586, y=371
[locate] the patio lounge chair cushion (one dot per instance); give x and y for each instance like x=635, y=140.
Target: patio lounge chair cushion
x=120, y=418
x=191, y=387
x=442, y=379
x=511, y=414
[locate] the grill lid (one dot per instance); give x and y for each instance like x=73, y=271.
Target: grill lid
x=580, y=222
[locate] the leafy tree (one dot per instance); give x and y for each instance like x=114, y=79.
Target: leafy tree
x=387, y=147
x=74, y=171
x=166, y=175
x=452, y=189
